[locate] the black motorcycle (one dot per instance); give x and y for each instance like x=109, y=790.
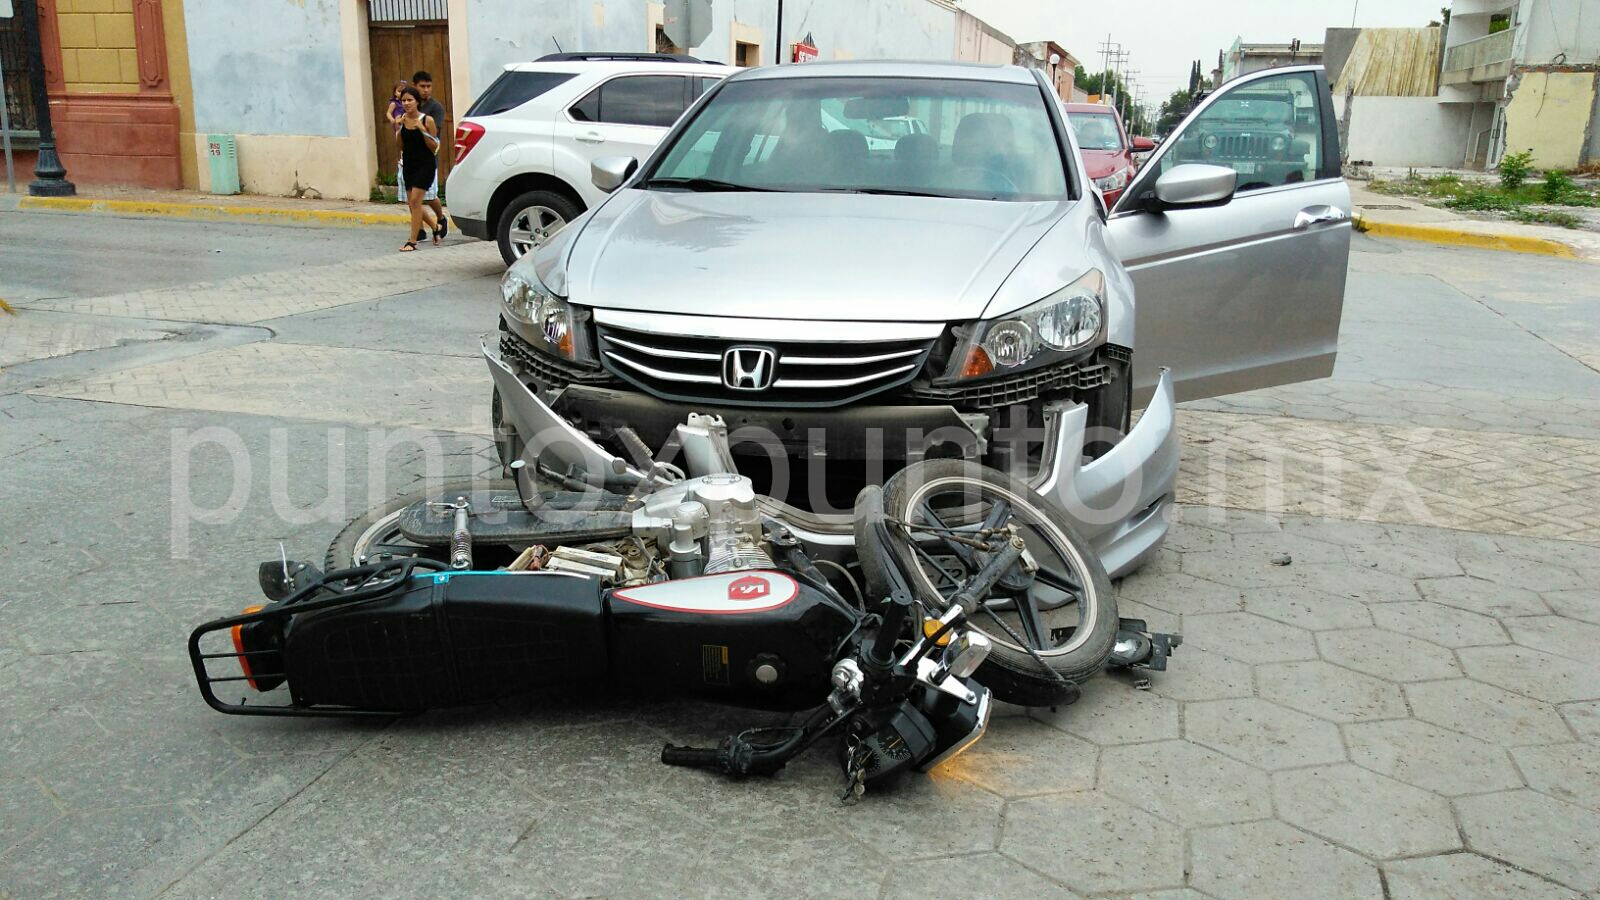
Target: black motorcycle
x=961, y=585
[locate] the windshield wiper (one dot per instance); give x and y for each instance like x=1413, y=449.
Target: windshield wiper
x=892, y=192
x=702, y=184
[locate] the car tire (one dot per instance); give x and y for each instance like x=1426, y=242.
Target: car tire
x=530, y=219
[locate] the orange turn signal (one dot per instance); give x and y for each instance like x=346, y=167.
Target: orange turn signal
x=238, y=647
x=977, y=363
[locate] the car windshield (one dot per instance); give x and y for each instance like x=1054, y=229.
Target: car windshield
x=1268, y=110
x=922, y=136
x=1096, y=131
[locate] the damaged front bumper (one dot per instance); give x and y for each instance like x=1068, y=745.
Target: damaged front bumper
x=1119, y=501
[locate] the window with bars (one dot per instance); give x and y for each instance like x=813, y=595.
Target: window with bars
x=19, y=86
x=408, y=10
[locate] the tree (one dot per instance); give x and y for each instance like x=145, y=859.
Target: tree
x=1173, y=110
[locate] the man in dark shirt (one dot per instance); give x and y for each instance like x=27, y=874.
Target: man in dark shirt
x=423, y=82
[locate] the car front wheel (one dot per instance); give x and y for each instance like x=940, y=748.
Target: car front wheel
x=531, y=219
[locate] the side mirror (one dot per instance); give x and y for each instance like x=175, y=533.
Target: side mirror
x=1194, y=185
x=1143, y=145
x=609, y=172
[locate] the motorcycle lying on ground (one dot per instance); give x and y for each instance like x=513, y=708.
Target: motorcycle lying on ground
x=965, y=587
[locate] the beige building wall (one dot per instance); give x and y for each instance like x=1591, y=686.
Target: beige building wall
x=98, y=53
x=343, y=167
x=182, y=88
x=1549, y=114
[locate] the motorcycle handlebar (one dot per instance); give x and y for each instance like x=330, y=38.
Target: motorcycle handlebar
x=690, y=757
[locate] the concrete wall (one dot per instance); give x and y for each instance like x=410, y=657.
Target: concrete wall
x=1550, y=28
x=1549, y=115
x=1407, y=131
x=511, y=31
x=274, y=73
x=853, y=29
x=267, y=66
x=507, y=31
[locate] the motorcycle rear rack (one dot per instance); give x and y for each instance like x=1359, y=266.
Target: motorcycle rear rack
x=343, y=588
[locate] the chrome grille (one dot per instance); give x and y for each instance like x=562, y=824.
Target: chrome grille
x=1244, y=146
x=805, y=373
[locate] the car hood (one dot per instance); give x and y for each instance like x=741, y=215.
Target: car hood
x=845, y=257
x=1100, y=163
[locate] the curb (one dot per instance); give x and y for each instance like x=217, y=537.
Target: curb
x=341, y=218
x=1435, y=234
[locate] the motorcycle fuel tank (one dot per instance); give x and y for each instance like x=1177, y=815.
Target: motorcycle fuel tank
x=751, y=638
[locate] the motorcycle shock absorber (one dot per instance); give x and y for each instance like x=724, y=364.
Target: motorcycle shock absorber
x=460, y=534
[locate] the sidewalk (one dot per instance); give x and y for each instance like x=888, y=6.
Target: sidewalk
x=1382, y=216
x=1400, y=217
x=197, y=205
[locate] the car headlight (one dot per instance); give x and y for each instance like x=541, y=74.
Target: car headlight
x=1116, y=181
x=1210, y=142
x=1066, y=321
x=554, y=320
x=1279, y=143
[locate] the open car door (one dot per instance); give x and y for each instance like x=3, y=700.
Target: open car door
x=1243, y=290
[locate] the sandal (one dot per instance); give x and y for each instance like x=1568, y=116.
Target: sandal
x=444, y=227
x=408, y=247
x=438, y=238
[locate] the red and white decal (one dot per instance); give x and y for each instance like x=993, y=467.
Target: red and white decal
x=727, y=594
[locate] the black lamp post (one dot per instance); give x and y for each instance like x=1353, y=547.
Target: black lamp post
x=50, y=177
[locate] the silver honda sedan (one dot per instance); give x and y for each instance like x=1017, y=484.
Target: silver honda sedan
x=851, y=294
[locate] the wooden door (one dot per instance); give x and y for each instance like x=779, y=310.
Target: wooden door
x=398, y=51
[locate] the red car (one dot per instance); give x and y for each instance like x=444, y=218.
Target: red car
x=1107, y=150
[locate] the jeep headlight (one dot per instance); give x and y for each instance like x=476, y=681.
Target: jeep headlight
x=1064, y=322
x=553, y=321
x=1279, y=144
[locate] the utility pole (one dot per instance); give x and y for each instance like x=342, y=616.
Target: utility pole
x=1130, y=78
x=50, y=177
x=1109, y=59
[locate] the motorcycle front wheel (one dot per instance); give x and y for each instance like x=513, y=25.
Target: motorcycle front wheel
x=1052, y=628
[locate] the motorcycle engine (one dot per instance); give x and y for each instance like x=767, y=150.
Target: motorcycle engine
x=704, y=526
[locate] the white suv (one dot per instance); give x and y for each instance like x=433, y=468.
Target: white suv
x=523, y=150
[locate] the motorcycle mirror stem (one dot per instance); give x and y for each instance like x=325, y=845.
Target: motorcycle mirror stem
x=879, y=654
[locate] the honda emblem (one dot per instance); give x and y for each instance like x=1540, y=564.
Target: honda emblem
x=749, y=368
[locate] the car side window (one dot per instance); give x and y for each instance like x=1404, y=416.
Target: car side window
x=701, y=84
x=1269, y=131
x=655, y=100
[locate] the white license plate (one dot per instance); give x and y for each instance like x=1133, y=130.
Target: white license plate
x=1245, y=168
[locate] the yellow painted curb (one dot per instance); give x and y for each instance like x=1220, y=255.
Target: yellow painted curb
x=1436, y=234
x=218, y=211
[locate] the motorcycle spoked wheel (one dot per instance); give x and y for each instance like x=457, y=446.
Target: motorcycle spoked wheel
x=377, y=531
x=1066, y=613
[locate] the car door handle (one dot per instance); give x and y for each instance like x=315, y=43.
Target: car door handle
x=1318, y=215
x=592, y=137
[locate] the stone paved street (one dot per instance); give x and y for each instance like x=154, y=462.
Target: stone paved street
x=1409, y=708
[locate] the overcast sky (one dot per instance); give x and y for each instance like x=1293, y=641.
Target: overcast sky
x=1166, y=36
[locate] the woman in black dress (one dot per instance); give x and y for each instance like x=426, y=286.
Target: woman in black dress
x=419, y=162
